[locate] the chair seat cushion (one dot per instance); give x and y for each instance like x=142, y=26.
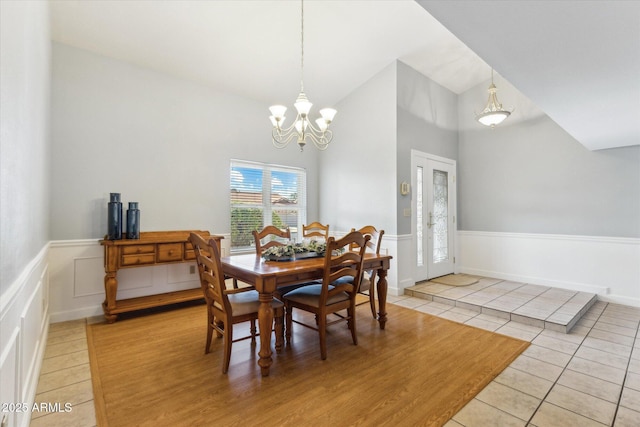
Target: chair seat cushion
x=248, y=302
x=365, y=284
x=283, y=290
x=310, y=295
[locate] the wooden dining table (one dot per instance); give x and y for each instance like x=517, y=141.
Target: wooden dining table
x=266, y=276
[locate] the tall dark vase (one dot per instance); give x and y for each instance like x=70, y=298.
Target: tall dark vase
x=133, y=221
x=114, y=220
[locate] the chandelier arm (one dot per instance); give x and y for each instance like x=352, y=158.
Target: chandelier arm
x=313, y=128
x=291, y=126
x=282, y=139
x=321, y=141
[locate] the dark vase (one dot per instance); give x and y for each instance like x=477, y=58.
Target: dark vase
x=114, y=220
x=133, y=221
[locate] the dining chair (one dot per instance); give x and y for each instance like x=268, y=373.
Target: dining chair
x=227, y=307
x=315, y=230
x=367, y=284
x=331, y=295
x=271, y=234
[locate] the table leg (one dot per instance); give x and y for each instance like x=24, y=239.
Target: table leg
x=110, y=291
x=382, y=297
x=265, y=321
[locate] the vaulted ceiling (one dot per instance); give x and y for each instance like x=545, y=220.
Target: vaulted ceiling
x=578, y=61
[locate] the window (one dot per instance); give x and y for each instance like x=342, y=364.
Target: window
x=263, y=194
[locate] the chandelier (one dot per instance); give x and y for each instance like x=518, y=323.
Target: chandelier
x=493, y=114
x=301, y=128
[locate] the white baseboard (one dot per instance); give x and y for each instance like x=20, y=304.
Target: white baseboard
x=78, y=313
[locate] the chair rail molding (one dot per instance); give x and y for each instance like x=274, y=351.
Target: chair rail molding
x=607, y=266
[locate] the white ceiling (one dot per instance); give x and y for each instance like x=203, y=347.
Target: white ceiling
x=252, y=48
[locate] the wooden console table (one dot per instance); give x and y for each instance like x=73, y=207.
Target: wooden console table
x=153, y=247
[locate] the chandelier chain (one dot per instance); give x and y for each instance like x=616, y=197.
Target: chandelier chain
x=302, y=46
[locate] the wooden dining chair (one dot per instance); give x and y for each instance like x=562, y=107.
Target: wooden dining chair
x=331, y=295
x=315, y=230
x=367, y=284
x=226, y=307
x=273, y=236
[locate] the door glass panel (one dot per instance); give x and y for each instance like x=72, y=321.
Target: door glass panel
x=419, y=208
x=440, y=216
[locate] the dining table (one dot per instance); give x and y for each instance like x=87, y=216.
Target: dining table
x=267, y=275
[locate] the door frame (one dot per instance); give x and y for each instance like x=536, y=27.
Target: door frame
x=415, y=155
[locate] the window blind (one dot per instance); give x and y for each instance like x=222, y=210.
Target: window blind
x=264, y=194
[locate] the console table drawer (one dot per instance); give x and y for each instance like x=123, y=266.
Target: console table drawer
x=138, y=259
x=170, y=252
x=189, y=253
x=138, y=249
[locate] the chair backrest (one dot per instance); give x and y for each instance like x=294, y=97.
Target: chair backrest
x=271, y=233
x=210, y=270
x=315, y=229
x=347, y=263
x=375, y=243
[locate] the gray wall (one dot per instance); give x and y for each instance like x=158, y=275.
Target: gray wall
x=161, y=141
x=427, y=115
x=358, y=169
x=24, y=135
x=529, y=176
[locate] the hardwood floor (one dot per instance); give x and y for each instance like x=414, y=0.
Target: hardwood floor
x=419, y=370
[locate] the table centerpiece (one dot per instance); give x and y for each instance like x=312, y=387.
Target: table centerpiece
x=293, y=251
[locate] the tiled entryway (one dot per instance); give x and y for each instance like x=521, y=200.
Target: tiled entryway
x=589, y=376
x=535, y=305
x=65, y=378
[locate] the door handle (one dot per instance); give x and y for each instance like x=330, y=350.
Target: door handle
x=430, y=223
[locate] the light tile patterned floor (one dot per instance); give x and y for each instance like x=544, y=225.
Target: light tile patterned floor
x=542, y=306
x=65, y=378
x=587, y=377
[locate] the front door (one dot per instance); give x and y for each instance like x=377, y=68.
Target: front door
x=434, y=204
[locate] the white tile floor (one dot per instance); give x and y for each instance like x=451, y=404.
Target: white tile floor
x=587, y=377
x=65, y=377
x=535, y=305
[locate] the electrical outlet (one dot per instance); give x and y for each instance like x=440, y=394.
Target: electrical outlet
x=192, y=269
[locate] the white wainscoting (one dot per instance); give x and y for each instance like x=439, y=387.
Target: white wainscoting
x=608, y=266
x=24, y=325
x=77, y=278
x=403, y=264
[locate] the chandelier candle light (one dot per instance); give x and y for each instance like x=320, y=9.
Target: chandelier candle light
x=493, y=114
x=321, y=136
